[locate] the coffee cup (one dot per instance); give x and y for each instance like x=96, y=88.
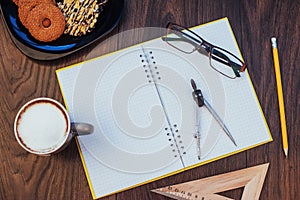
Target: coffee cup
x=43, y=127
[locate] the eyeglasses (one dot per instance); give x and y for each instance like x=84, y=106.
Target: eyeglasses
x=188, y=42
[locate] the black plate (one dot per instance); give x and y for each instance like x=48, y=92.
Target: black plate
x=64, y=45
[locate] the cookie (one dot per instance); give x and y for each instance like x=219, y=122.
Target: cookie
x=81, y=15
x=24, y=9
x=45, y=22
x=25, y=6
x=20, y=2
x=16, y=1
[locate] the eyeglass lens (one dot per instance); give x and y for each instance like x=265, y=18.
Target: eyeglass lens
x=225, y=63
x=187, y=41
x=182, y=39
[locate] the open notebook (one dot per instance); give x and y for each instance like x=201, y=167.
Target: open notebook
x=139, y=100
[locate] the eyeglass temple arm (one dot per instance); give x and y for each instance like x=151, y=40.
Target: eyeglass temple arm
x=235, y=65
x=190, y=39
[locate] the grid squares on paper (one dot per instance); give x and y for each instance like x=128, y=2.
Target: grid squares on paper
x=140, y=96
x=104, y=181
x=67, y=80
x=93, y=143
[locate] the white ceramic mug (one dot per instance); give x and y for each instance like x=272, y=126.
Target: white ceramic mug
x=43, y=127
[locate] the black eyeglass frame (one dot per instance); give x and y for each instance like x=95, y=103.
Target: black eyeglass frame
x=199, y=43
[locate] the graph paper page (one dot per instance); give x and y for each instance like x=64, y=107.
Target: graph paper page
x=140, y=102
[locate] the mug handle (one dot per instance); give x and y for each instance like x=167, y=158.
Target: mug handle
x=81, y=129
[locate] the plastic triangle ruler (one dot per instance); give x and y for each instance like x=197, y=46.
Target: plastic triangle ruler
x=251, y=179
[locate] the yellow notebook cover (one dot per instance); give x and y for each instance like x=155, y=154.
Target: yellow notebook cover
x=139, y=100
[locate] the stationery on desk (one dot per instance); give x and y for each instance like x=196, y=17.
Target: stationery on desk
x=200, y=101
x=280, y=96
x=139, y=101
x=250, y=179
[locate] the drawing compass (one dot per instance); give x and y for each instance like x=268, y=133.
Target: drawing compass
x=201, y=101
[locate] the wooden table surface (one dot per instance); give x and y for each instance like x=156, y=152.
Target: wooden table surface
x=26, y=176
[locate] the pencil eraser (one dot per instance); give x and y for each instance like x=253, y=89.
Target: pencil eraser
x=274, y=43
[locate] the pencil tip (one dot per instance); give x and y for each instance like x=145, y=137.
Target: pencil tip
x=286, y=152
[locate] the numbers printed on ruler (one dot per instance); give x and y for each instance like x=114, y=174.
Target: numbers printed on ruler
x=187, y=195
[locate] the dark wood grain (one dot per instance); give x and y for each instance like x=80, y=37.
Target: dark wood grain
x=25, y=176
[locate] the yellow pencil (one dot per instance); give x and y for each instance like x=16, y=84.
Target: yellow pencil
x=280, y=96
